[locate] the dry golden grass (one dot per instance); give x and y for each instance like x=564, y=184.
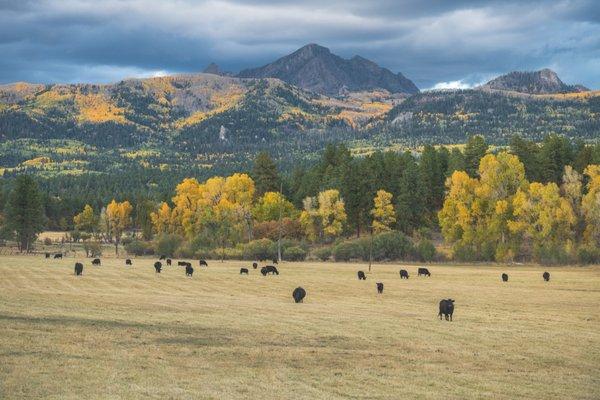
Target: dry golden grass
x=127, y=333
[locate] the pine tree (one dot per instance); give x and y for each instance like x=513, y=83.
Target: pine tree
x=25, y=212
x=265, y=175
x=474, y=151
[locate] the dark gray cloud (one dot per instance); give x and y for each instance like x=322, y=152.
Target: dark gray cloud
x=433, y=42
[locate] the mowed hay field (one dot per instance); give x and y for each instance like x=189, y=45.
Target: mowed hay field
x=127, y=333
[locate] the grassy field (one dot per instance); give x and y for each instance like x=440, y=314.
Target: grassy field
x=127, y=333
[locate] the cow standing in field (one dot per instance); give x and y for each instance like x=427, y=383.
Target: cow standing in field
x=157, y=267
x=182, y=263
x=504, y=277
x=361, y=276
x=379, y=287
x=169, y=261
x=546, y=276
x=47, y=255
x=446, y=309
x=403, y=274
x=243, y=271
x=96, y=261
x=189, y=270
x=299, y=294
x=58, y=255
x=424, y=272
x=128, y=262
x=254, y=265
x=78, y=269
x=271, y=269
x=203, y=263
x=275, y=261
x=162, y=257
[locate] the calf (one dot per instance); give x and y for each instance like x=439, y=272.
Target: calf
x=58, y=255
x=299, y=294
x=96, y=261
x=361, y=276
x=271, y=270
x=182, y=263
x=275, y=261
x=379, y=287
x=243, y=271
x=162, y=257
x=446, y=309
x=254, y=265
x=47, y=255
x=78, y=269
x=189, y=270
x=424, y=272
x=403, y=274
x=504, y=278
x=546, y=276
x=157, y=267
x=128, y=262
x=169, y=261
x=203, y=263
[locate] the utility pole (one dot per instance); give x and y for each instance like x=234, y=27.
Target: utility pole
x=279, y=234
x=371, y=249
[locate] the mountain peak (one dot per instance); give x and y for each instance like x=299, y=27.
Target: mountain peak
x=544, y=81
x=214, y=69
x=313, y=67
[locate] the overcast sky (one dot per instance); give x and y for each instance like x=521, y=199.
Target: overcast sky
x=435, y=43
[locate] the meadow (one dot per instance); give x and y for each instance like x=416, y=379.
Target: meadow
x=122, y=332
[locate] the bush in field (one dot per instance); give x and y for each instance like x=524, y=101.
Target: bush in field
x=126, y=240
x=186, y=250
x=294, y=253
x=227, y=253
x=350, y=250
x=139, y=248
x=92, y=249
x=588, y=255
x=391, y=246
x=167, y=244
x=322, y=253
x=425, y=250
x=261, y=249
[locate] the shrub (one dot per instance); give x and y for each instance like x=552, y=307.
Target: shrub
x=425, y=250
x=295, y=253
x=185, y=250
x=261, y=249
x=92, y=249
x=167, y=244
x=391, y=246
x=551, y=255
x=139, y=248
x=126, y=240
x=322, y=253
x=588, y=255
x=349, y=250
x=47, y=241
x=227, y=253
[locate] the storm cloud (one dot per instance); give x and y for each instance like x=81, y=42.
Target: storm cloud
x=435, y=43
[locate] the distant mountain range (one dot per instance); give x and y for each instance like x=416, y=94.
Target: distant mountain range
x=544, y=81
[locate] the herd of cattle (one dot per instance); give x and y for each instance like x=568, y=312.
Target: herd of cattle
x=446, y=308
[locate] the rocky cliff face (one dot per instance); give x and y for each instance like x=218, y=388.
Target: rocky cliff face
x=544, y=81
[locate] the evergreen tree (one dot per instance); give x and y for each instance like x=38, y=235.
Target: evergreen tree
x=25, y=212
x=456, y=161
x=474, y=151
x=555, y=154
x=265, y=175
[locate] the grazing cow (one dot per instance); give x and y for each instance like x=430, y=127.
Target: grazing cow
x=157, y=267
x=361, y=276
x=299, y=294
x=275, y=261
x=254, y=265
x=162, y=257
x=58, y=255
x=504, y=278
x=243, y=271
x=189, y=270
x=169, y=261
x=379, y=287
x=96, y=261
x=263, y=271
x=271, y=270
x=203, y=263
x=78, y=269
x=47, y=255
x=446, y=309
x=546, y=276
x=128, y=262
x=424, y=272
x=403, y=274
x=182, y=263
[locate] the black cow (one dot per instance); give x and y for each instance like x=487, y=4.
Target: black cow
x=182, y=263
x=361, y=276
x=78, y=269
x=162, y=257
x=254, y=265
x=203, y=263
x=424, y=272
x=243, y=271
x=47, y=255
x=58, y=255
x=403, y=274
x=263, y=271
x=157, y=267
x=96, y=261
x=546, y=276
x=446, y=308
x=189, y=270
x=379, y=287
x=169, y=261
x=504, y=278
x=299, y=294
x=128, y=262
x=271, y=270
x=275, y=261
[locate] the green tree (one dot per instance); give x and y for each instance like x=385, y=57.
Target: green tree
x=265, y=175
x=475, y=149
x=25, y=212
x=86, y=220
